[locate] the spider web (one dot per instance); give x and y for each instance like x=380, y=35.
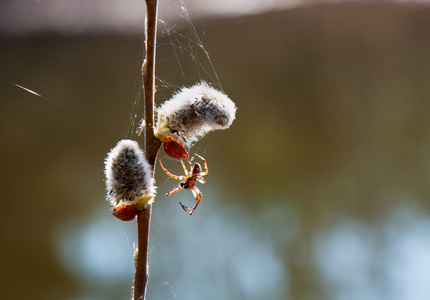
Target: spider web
x=181, y=59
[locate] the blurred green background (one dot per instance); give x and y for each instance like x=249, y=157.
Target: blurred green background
x=319, y=190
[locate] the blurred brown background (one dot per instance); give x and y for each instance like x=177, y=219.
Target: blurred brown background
x=319, y=190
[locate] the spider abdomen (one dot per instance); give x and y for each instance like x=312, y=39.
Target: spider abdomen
x=197, y=169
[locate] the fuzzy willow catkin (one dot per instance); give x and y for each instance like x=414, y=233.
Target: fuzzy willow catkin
x=129, y=177
x=192, y=112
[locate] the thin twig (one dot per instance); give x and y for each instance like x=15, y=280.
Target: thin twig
x=152, y=146
x=148, y=71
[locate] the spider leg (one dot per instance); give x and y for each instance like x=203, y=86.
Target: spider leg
x=186, y=209
x=185, y=169
x=170, y=174
x=201, y=180
x=206, y=166
x=191, y=166
x=198, y=196
x=174, y=190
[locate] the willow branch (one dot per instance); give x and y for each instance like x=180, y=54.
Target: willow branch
x=151, y=146
x=148, y=70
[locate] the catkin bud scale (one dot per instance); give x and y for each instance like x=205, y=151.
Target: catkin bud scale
x=124, y=212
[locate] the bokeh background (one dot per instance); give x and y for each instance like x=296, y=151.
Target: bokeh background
x=319, y=190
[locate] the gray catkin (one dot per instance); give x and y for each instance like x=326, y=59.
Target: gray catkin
x=192, y=112
x=128, y=174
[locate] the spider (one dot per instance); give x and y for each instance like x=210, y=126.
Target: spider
x=189, y=181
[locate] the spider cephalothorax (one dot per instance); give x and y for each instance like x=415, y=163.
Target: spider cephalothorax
x=189, y=181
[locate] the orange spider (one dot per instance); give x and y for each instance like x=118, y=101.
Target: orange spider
x=189, y=181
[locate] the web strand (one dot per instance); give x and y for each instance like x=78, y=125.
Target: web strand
x=68, y=108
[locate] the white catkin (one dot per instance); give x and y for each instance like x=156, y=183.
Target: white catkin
x=192, y=112
x=129, y=177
